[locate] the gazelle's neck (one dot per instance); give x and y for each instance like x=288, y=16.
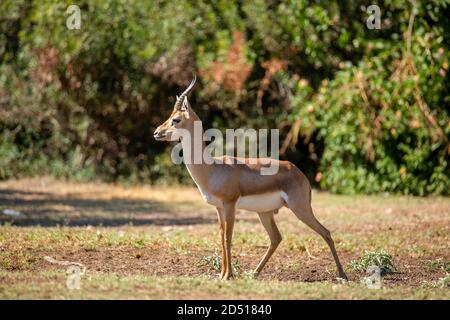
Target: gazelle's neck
x=193, y=149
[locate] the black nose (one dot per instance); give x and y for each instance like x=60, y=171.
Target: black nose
x=157, y=134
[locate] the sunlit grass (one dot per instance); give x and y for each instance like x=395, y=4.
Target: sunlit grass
x=410, y=230
x=113, y=286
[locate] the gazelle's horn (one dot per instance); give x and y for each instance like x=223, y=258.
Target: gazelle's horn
x=185, y=93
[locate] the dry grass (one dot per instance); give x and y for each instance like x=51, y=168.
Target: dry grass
x=138, y=239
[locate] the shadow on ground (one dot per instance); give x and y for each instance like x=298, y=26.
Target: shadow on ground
x=46, y=209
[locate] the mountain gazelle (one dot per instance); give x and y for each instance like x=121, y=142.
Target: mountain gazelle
x=237, y=183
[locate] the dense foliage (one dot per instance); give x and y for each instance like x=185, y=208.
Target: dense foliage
x=360, y=110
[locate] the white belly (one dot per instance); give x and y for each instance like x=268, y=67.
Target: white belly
x=262, y=202
x=259, y=202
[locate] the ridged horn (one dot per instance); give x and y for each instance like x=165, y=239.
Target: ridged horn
x=185, y=93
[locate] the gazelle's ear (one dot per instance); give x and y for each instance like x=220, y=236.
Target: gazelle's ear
x=185, y=107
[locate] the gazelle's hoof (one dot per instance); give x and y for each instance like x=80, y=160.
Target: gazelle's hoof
x=343, y=276
x=227, y=276
x=254, y=274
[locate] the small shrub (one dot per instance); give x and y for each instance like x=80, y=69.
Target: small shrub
x=440, y=283
x=438, y=264
x=380, y=258
x=214, y=262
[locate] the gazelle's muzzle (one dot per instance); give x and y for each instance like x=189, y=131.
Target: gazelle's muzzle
x=159, y=134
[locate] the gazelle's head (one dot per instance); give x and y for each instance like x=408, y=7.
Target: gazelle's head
x=181, y=117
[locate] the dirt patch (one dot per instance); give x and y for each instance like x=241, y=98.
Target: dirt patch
x=166, y=232
x=158, y=261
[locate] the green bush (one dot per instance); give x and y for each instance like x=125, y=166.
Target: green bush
x=378, y=258
x=384, y=119
x=360, y=110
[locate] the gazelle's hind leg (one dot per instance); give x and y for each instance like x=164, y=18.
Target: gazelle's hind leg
x=268, y=222
x=302, y=209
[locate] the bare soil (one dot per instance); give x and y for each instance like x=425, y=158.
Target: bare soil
x=414, y=231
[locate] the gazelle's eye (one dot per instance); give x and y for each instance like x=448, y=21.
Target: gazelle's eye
x=175, y=121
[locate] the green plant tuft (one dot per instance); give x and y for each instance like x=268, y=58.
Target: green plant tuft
x=379, y=258
x=214, y=262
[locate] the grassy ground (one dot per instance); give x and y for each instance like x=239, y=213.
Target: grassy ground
x=143, y=242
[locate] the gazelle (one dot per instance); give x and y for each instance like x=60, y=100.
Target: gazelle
x=237, y=183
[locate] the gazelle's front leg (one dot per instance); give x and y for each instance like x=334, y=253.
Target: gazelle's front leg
x=229, y=213
x=221, y=220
